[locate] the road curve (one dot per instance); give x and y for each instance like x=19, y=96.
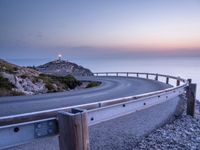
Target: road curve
x=111, y=87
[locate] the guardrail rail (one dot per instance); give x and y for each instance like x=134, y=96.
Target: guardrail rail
x=71, y=123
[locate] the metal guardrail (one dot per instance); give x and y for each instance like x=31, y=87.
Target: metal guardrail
x=18, y=129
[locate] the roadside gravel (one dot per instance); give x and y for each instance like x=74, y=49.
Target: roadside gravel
x=182, y=134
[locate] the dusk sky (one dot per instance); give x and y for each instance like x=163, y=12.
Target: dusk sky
x=45, y=28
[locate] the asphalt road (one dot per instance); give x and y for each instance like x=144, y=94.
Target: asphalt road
x=111, y=87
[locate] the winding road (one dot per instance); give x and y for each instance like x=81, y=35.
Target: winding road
x=111, y=87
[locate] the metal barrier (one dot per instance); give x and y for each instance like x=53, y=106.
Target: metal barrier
x=71, y=123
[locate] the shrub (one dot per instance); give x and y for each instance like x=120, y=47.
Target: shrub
x=69, y=81
x=5, y=84
x=50, y=88
x=63, y=83
x=24, y=76
x=93, y=84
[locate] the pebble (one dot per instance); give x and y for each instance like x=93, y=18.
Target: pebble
x=182, y=134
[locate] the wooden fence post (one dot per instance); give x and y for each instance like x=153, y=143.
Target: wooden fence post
x=177, y=82
x=189, y=81
x=167, y=80
x=156, y=78
x=191, y=98
x=73, y=130
x=147, y=76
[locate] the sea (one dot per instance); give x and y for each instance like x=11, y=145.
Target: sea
x=182, y=66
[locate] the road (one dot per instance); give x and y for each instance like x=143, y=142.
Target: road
x=111, y=87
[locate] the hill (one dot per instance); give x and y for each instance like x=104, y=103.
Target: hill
x=63, y=68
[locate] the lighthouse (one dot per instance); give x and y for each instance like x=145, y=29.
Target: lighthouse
x=59, y=57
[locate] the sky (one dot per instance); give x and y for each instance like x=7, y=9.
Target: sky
x=98, y=28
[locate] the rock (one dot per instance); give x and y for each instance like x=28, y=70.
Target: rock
x=25, y=85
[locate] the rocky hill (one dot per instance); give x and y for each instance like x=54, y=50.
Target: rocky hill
x=63, y=68
x=16, y=80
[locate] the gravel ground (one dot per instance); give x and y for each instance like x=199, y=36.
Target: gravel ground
x=182, y=134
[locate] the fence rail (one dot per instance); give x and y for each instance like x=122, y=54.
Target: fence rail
x=17, y=129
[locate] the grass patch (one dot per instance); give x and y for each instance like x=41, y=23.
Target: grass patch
x=4, y=92
x=15, y=93
x=8, y=68
x=93, y=84
x=59, y=83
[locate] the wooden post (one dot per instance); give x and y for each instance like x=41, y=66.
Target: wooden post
x=147, y=76
x=167, y=80
x=127, y=74
x=189, y=81
x=137, y=75
x=156, y=78
x=191, y=98
x=177, y=82
x=73, y=130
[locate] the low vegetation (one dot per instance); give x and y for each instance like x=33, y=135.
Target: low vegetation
x=24, y=76
x=32, y=67
x=6, y=67
x=93, y=84
x=6, y=88
x=5, y=84
x=58, y=83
